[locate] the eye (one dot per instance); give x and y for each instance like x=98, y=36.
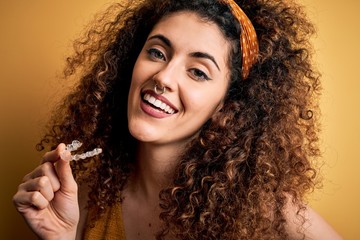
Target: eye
x=199, y=75
x=156, y=54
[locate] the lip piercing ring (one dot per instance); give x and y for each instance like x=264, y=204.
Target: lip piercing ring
x=74, y=146
x=159, y=90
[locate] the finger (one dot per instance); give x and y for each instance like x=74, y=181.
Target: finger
x=45, y=169
x=54, y=155
x=41, y=184
x=24, y=200
x=65, y=176
x=62, y=168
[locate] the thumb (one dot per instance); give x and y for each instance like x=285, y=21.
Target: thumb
x=64, y=172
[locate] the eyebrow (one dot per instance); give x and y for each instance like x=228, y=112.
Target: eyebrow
x=205, y=55
x=195, y=54
x=162, y=38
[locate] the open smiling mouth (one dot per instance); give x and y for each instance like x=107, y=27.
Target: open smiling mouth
x=158, y=104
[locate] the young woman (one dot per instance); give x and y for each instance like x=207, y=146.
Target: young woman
x=205, y=113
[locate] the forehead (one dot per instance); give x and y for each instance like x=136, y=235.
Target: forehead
x=188, y=31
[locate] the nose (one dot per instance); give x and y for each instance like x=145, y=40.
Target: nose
x=167, y=77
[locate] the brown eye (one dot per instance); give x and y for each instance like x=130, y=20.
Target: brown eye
x=199, y=75
x=156, y=54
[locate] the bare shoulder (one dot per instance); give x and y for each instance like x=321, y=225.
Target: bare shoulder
x=315, y=226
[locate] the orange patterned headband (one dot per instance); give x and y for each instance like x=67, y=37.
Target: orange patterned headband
x=248, y=39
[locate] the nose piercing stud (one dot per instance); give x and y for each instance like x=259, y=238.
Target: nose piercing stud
x=159, y=90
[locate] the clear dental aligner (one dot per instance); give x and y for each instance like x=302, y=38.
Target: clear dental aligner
x=75, y=144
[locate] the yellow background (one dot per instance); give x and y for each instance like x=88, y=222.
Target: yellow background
x=36, y=35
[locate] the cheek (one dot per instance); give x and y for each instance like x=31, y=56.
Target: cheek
x=133, y=95
x=138, y=78
x=205, y=101
x=131, y=92
x=140, y=70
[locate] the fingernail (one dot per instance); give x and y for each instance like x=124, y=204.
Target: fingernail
x=65, y=155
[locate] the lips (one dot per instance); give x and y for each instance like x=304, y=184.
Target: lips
x=158, y=103
x=157, y=106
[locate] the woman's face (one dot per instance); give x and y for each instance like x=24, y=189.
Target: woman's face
x=189, y=57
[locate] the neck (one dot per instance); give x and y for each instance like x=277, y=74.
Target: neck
x=155, y=165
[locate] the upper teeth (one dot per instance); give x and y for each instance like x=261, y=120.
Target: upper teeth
x=158, y=103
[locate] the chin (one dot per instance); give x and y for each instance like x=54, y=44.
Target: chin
x=143, y=132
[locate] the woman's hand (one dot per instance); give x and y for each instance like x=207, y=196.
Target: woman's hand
x=47, y=198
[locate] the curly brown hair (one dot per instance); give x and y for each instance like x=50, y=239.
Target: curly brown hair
x=234, y=179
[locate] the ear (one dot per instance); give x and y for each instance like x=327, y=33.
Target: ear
x=217, y=110
x=219, y=106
